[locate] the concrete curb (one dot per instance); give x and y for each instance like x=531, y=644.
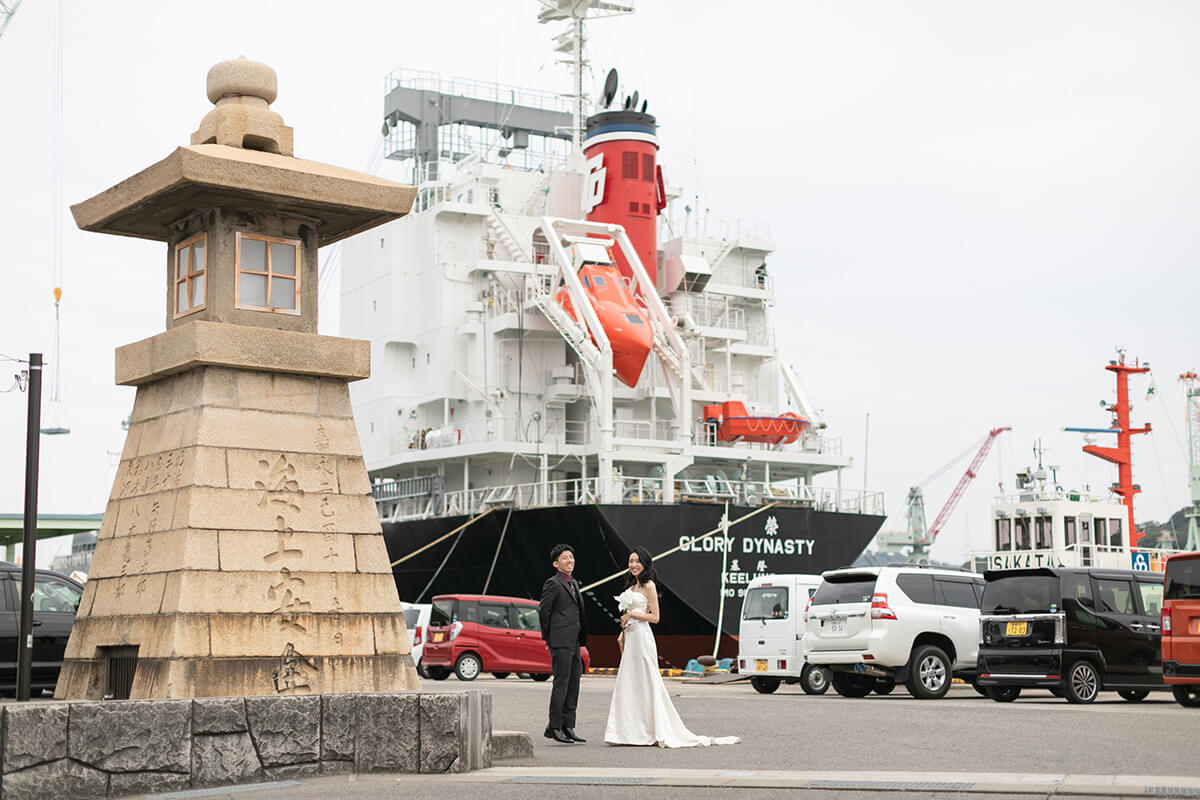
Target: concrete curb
x=511, y=744
x=966, y=783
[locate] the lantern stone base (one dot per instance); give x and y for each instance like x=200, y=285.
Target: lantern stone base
x=240, y=552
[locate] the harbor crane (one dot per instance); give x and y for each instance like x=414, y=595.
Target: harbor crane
x=917, y=536
x=7, y=9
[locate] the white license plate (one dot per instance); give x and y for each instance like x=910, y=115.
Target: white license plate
x=836, y=626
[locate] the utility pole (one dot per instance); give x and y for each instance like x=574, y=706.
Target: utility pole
x=33, y=424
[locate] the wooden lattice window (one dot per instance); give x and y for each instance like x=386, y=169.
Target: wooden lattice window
x=190, y=273
x=268, y=273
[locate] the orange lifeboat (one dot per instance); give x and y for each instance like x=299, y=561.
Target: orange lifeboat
x=624, y=321
x=735, y=425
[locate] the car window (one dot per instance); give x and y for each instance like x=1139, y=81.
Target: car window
x=442, y=612
x=766, y=602
x=1152, y=597
x=1020, y=594
x=1114, y=596
x=1078, y=587
x=845, y=589
x=526, y=618
x=410, y=617
x=919, y=588
x=493, y=615
x=1183, y=579
x=50, y=594
x=468, y=611
x=950, y=592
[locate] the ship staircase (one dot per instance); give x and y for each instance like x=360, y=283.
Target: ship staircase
x=508, y=240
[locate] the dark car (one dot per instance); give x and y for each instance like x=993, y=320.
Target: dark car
x=55, y=600
x=1076, y=632
x=1181, y=628
x=473, y=633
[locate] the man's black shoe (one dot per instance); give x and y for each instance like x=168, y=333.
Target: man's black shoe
x=570, y=732
x=557, y=735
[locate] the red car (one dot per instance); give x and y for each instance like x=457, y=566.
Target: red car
x=1181, y=627
x=474, y=633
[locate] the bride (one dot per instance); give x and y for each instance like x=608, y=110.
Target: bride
x=641, y=711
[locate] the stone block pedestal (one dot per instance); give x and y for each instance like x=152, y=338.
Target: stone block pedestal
x=240, y=553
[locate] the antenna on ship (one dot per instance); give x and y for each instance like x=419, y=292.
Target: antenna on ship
x=571, y=41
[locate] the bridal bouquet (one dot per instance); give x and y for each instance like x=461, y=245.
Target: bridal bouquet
x=625, y=601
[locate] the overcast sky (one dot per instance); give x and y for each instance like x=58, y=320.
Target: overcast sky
x=973, y=203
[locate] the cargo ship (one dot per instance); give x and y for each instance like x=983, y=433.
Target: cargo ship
x=560, y=355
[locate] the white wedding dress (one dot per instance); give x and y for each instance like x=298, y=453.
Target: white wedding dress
x=641, y=711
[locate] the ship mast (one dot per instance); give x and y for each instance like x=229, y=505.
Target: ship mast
x=1121, y=455
x=571, y=41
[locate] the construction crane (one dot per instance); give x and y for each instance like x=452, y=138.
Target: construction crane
x=7, y=9
x=916, y=535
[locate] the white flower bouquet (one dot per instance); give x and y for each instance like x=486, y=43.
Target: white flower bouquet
x=625, y=601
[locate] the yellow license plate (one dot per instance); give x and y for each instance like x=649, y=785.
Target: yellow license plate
x=760, y=665
x=437, y=637
x=1016, y=629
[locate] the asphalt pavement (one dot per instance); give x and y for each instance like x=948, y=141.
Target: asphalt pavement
x=796, y=745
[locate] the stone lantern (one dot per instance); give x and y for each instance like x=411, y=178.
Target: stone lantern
x=240, y=552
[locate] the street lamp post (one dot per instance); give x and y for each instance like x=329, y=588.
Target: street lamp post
x=29, y=550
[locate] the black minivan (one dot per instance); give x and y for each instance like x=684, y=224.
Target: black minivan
x=1074, y=631
x=55, y=600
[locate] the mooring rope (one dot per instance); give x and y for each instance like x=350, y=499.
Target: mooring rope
x=689, y=543
x=496, y=556
x=442, y=538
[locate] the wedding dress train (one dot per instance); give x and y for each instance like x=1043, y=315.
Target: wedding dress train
x=641, y=711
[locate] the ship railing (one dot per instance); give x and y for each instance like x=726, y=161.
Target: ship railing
x=642, y=429
x=394, y=505
x=429, y=81
x=571, y=491
x=1055, y=493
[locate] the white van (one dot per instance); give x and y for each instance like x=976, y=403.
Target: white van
x=416, y=619
x=770, y=637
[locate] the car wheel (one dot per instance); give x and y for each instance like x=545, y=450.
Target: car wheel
x=1134, y=695
x=1083, y=684
x=424, y=673
x=849, y=684
x=468, y=667
x=1003, y=694
x=884, y=685
x=438, y=673
x=540, y=676
x=500, y=675
x=1058, y=691
x=980, y=689
x=1188, y=696
x=814, y=679
x=764, y=685
x=929, y=673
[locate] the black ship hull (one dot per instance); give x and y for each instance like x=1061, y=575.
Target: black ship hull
x=780, y=539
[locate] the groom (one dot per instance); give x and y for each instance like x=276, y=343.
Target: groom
x=564, y=630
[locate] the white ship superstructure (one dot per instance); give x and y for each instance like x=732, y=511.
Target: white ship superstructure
x=483, y=391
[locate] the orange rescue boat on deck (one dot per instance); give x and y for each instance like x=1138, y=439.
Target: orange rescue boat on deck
x=625, y=322
x=734, y=424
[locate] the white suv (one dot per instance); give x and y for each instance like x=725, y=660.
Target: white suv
x=879, y=626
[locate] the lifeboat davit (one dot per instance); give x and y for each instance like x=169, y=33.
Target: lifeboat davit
x=734, y=424
x=624, y=321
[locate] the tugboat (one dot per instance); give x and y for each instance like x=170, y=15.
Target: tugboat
x=1043, y=525
x=548, y=346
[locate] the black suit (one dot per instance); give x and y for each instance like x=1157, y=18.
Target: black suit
x=564, y=630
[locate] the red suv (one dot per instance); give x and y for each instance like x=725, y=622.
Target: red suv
x=474, y=633
x=1181, y=627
